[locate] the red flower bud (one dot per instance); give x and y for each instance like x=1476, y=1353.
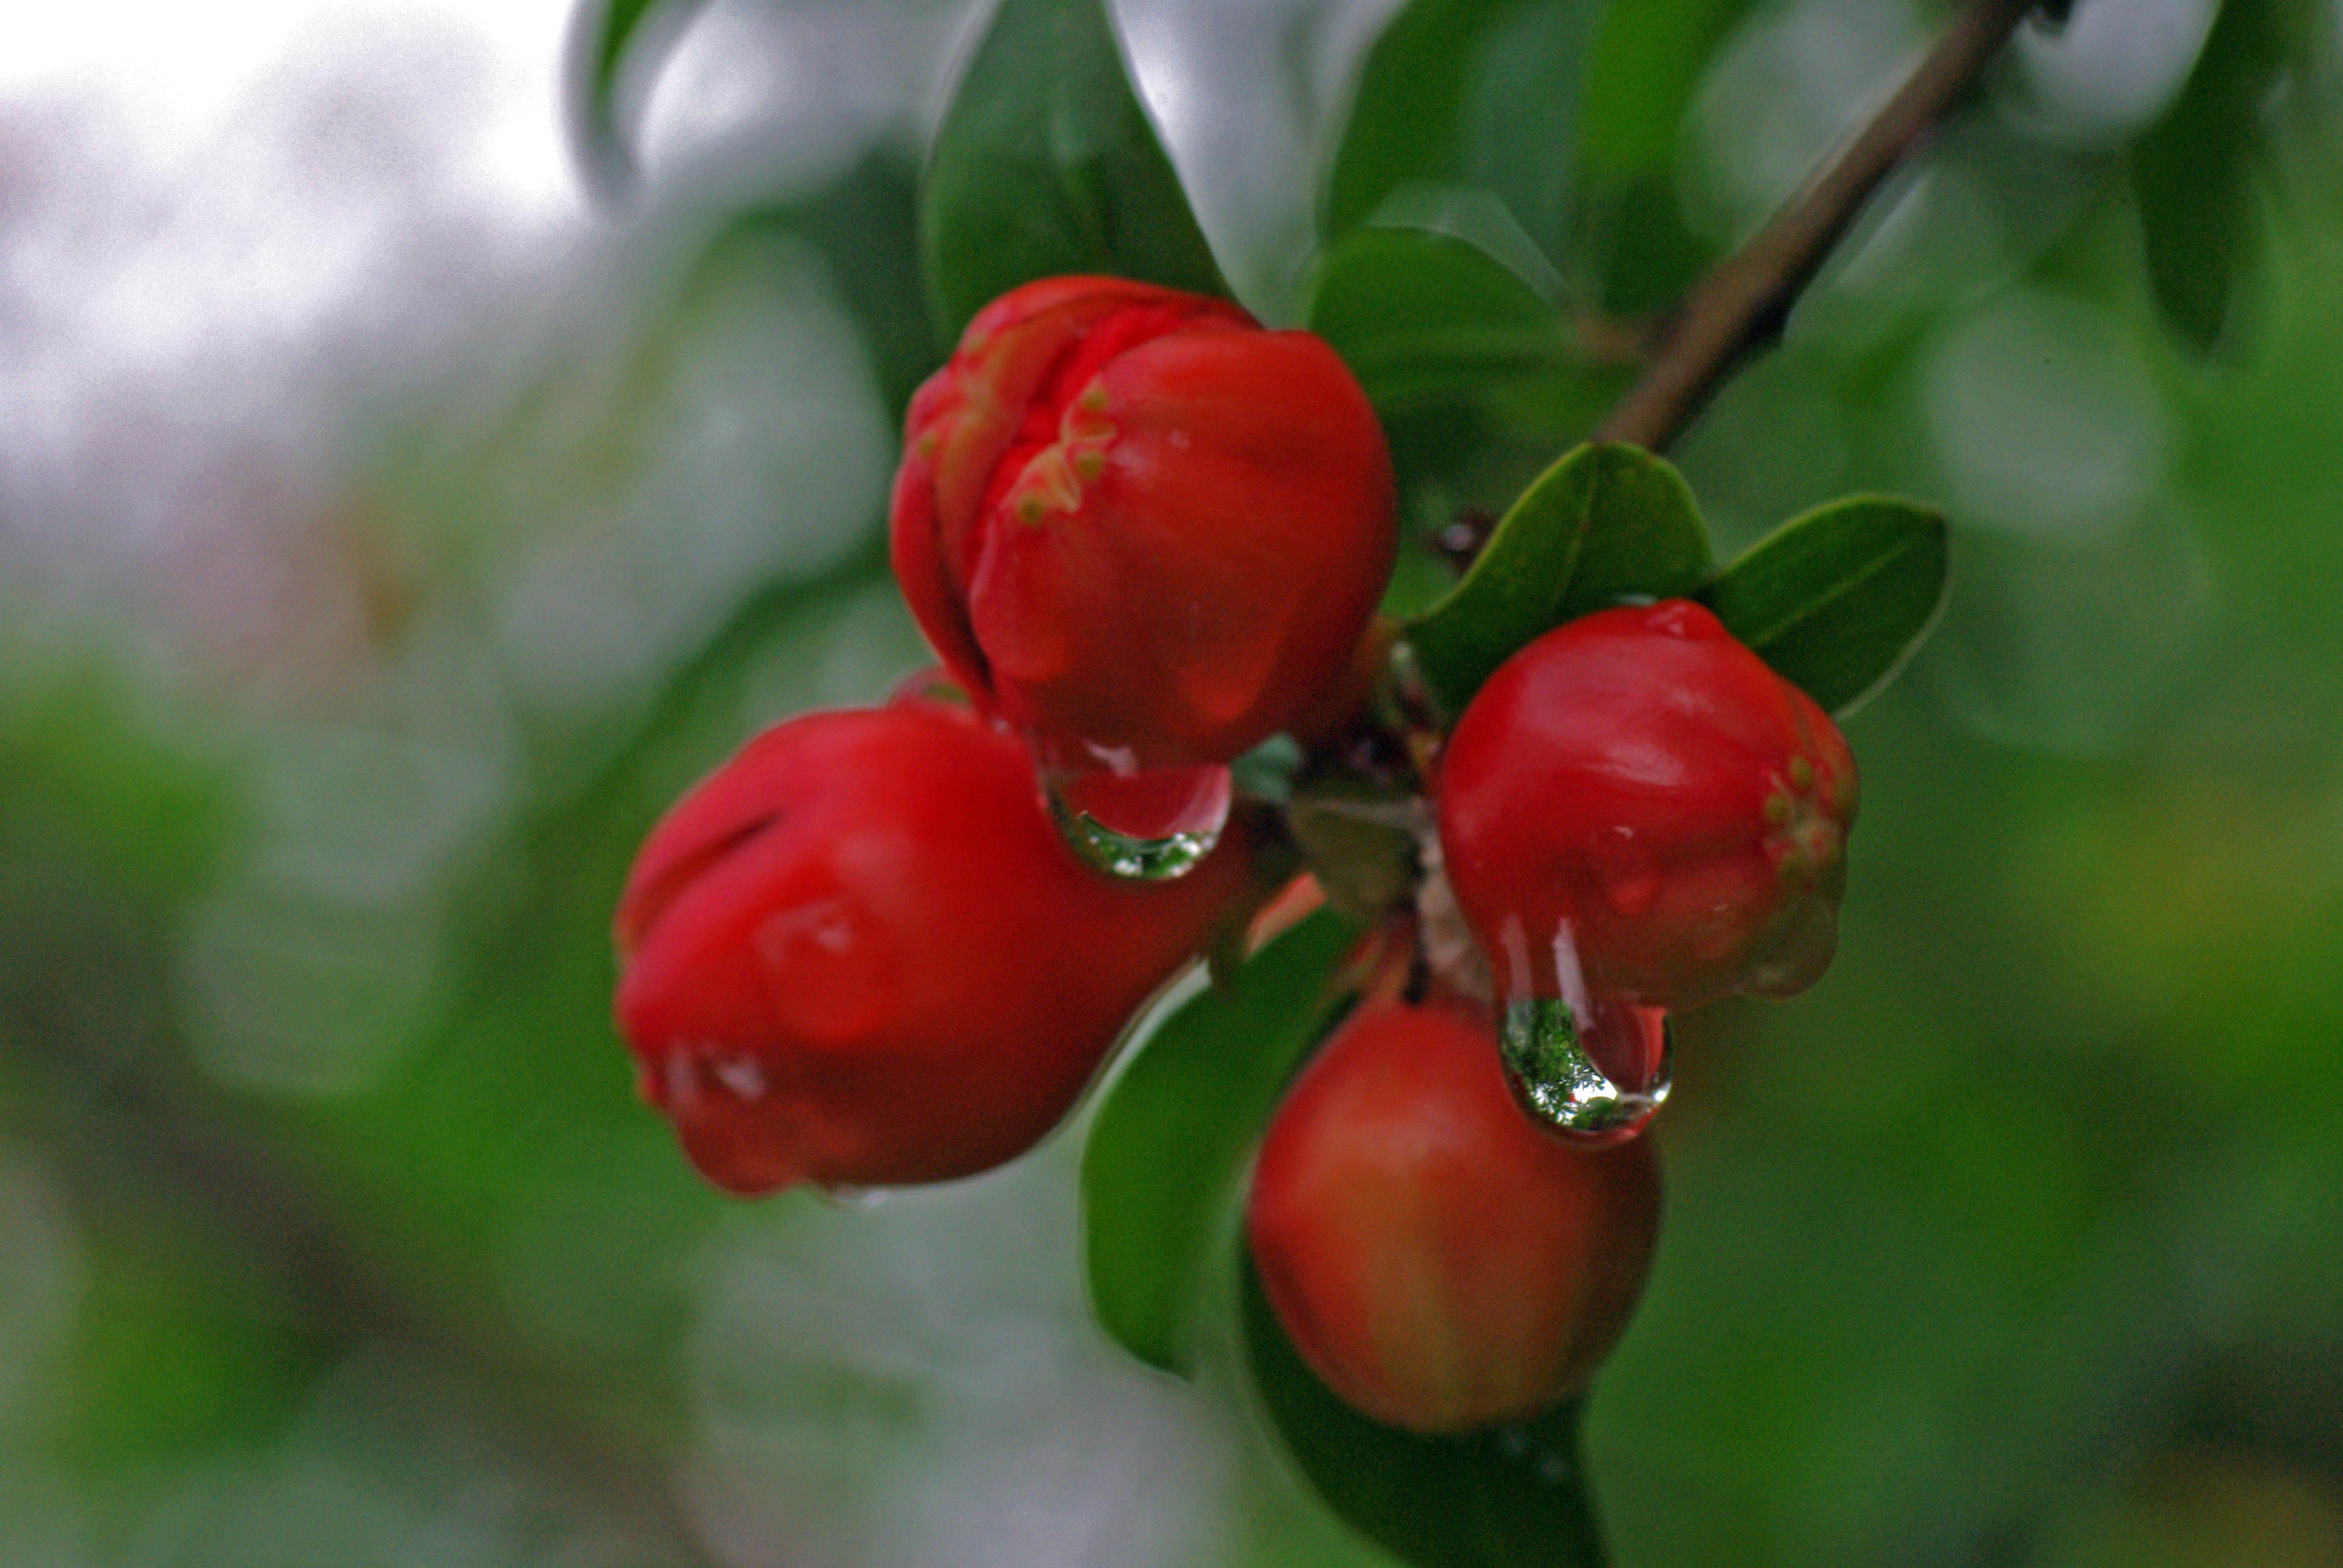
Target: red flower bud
x=1439, y=1261
x=858, y=953
x=1145, y=530
x=1636, y=804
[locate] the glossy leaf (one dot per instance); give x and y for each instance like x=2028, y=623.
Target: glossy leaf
x=1605, y=523
x=2193, y=174
x=609, y=37
x=1837, y=599
x=1510, y=1497
x=1481, y=93
x=1418, y=315
x=1046, y=163
x=1164, y=1150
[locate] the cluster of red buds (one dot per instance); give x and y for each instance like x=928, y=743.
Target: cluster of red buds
x=1144, y=534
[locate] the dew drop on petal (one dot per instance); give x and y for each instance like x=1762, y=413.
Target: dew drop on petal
x=833, y=972
x=1148, y=826
x=740, y=1075
x=735, y=1154
x=1598, y=1084
x=851, y=1199
x=720, y=1106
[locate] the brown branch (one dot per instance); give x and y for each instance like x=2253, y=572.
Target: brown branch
x=1741, y=305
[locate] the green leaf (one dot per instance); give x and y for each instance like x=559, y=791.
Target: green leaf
x=1605, y=523
x=864, y=224
x=608, y=37
x=1481, y=93
x=1046, y=164
x=1641, y=70
x=1512, y=1497
x=1164, y=1150
x=2193, y=176
x=1628, y=231
x=1838, y=598
x=1419, y=315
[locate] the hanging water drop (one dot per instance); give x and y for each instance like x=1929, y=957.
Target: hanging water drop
x=851, y=1199
x=1597, y=1084
x=718, y=1105
x=1149, y=825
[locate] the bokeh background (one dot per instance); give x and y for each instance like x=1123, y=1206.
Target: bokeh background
x=387, y=529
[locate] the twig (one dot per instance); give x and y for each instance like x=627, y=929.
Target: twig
x=1741, y=305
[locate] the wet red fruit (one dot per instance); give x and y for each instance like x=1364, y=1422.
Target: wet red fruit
x=1636, y=804
x=1139, y=526
x=859, y=955
x=1439, y=1261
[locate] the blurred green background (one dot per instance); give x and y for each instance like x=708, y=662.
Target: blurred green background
x=387, y=533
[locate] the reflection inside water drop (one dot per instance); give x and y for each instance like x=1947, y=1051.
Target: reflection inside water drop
x=1598, y=1084
x=851, y=1199
x=1148, y=826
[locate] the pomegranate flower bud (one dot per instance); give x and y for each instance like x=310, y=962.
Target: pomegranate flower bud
x=1438, y=1260
x=1140, y=527
x=1636, y=804
x=859, y=955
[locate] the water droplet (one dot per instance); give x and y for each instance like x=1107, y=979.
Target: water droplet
x=741, y=1076
x=722, y=1114
x=832, y=969
x=1149, y=825
x=1597, y=1085
x=851, y=1199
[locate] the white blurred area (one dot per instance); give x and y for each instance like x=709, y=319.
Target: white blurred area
x=230, y=234
x=216, y=214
